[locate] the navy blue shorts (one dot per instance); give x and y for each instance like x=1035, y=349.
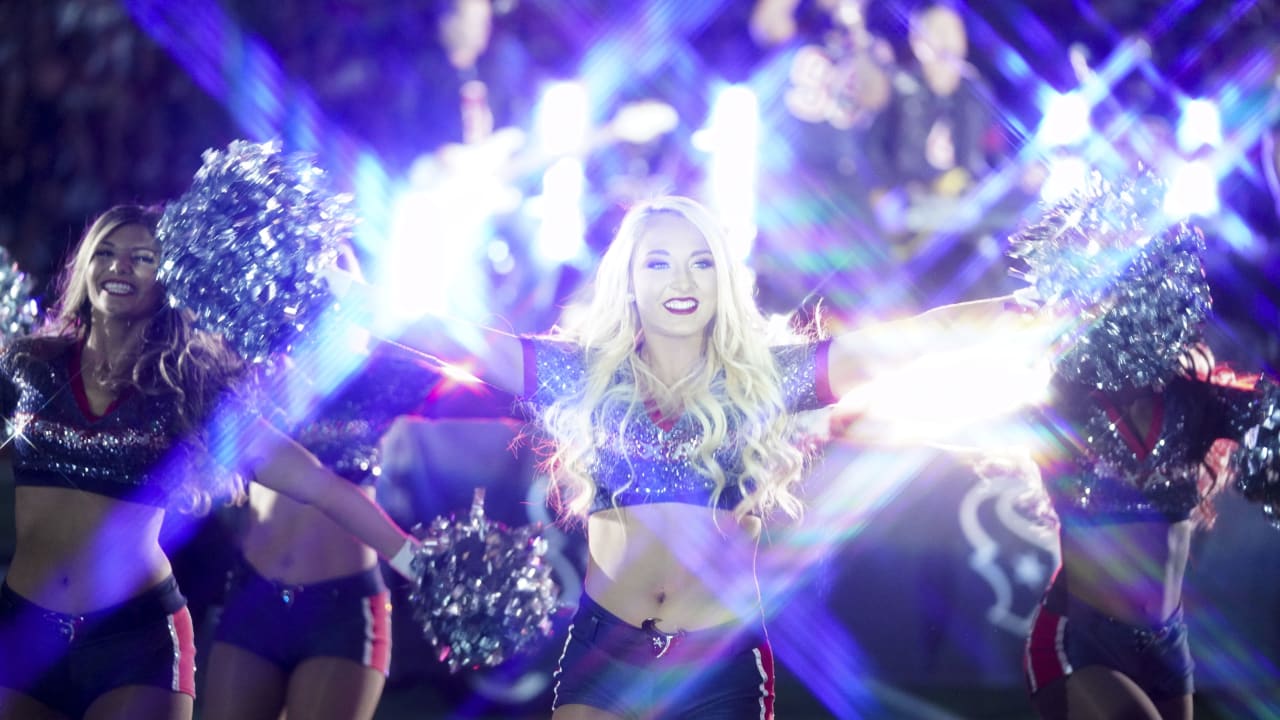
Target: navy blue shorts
x=348, y=617
x=713, y=674
x=1067, y=635
x=68, y=661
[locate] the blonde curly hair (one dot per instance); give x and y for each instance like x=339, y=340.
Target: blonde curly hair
x=734, y=396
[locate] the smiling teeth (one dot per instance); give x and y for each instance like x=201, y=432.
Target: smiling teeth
x=681, y=304
x=117, y=288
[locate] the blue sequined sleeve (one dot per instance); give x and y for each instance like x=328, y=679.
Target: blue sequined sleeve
x=552, y=370
x=343, y=427
x=345, y=432
x=803, y=370
x=389, y=387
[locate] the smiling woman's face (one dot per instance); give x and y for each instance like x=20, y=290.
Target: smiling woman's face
x=122, y=274
x=673, y=278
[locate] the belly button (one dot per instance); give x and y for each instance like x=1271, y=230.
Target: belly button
x=662, y=596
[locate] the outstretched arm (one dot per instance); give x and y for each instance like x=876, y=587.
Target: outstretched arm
x=283, y=465
x=857, y=356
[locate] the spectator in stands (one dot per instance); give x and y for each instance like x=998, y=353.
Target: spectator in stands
x=928, y=144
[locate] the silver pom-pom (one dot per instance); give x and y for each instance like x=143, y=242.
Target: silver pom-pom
x=483, y=593
x=1109, y=257
x=18, y=309
x=1258, y=470
x=244, y=245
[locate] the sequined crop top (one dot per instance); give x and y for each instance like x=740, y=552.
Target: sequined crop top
x=58, y=441
x=344, y=430
x=1099, y=471
x=640, y=462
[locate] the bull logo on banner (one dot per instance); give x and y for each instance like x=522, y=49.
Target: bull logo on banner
x=1012, y=548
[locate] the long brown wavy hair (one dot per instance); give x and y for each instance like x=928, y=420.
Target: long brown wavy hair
x=188, y=367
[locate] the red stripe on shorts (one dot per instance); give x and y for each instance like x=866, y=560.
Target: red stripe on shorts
x=184, y=652
x=1046, y=659
x=377, y=649
x=764, y=662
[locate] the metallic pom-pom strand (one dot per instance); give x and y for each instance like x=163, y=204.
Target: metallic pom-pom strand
x=483, y=593
x=1258, y=469
x=18, y=310
x=244, y=244
x=1109, y=256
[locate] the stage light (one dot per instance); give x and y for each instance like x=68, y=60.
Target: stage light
x=561, y=235
x=562, y=121
x=1067, y=174
x=1065, y=121
x=732, y=138
x=1193, y=190
x=563, y=124
x=433, y=263
x=1200, y=124
x=1243, y=239
x=943, y=397
x=500, y=257
x=373, y=197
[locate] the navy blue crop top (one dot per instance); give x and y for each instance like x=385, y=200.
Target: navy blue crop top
x=1096, y=470
x=59, y=442
x=641, y=462
x=343, y=431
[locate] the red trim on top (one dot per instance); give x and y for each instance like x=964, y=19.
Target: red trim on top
x=663, y=423
x=82, y=397
x=822, y=374
x=1142, y=446
x=1157, y=424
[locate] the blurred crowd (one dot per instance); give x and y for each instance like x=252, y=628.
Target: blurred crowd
x=896, y=133
x=91, y=113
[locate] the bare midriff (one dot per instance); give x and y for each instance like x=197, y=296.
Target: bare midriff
x=78, y=552
x=688, y=567
x=1130, y=571
x=297, y=544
